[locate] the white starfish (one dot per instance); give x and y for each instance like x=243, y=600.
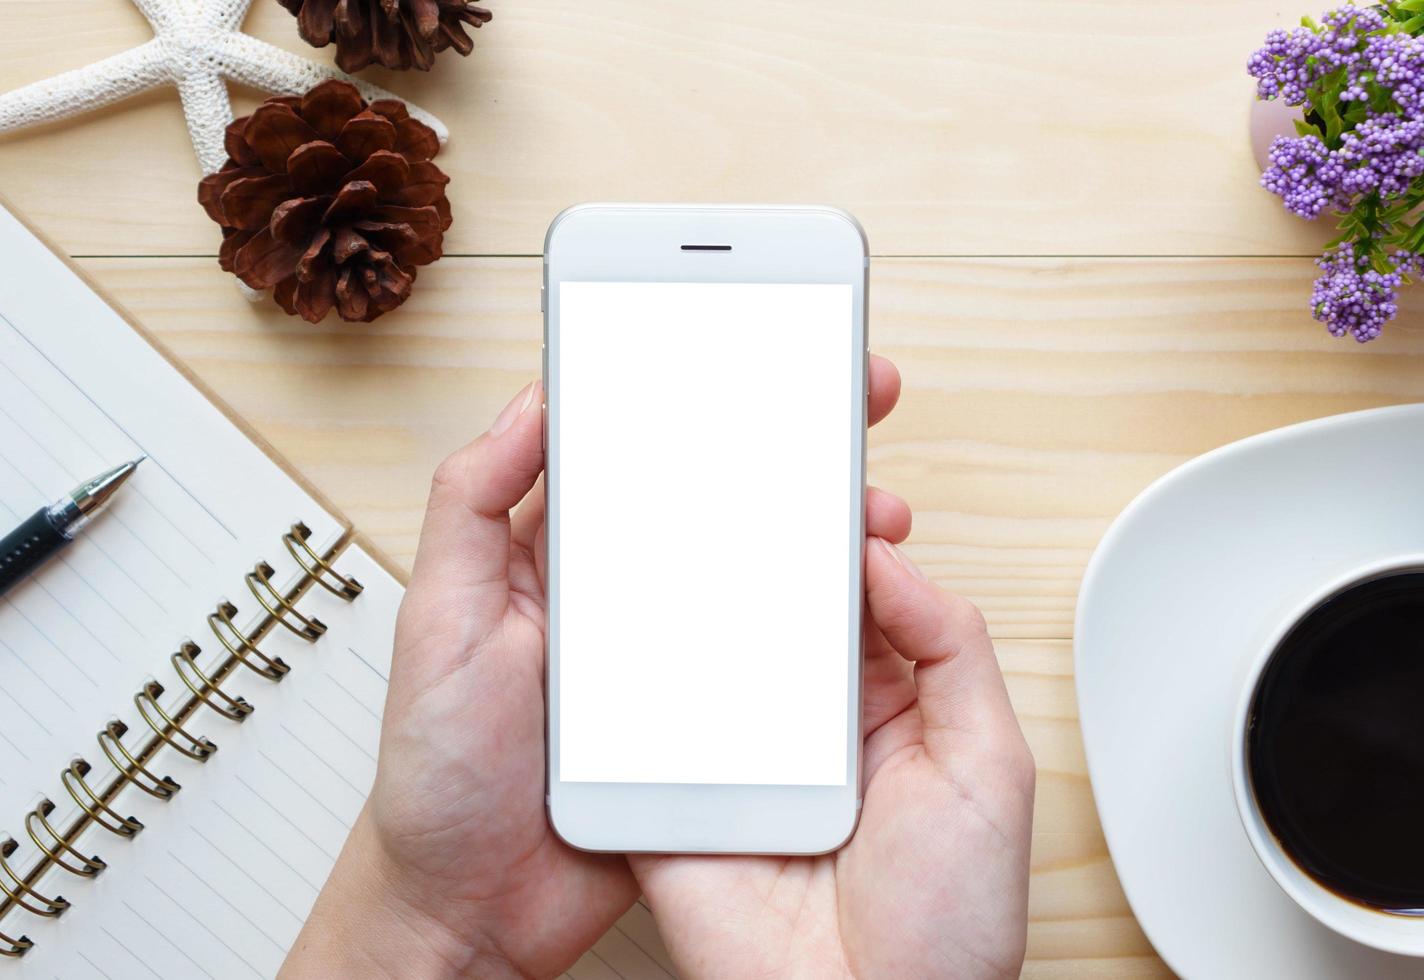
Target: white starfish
x=196, y=45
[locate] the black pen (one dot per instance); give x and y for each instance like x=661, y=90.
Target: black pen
x=50, y=528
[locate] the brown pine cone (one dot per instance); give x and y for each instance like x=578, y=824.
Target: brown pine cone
x=398, y=34
x=329, y=201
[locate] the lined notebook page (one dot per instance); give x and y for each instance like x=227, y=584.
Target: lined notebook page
x=221, y=878
x=81, y=391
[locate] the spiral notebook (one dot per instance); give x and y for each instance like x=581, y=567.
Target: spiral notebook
x=191, y=693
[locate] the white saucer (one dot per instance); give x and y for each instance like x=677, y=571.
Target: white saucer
x=1183, y=589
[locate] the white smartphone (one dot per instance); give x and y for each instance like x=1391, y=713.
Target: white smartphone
x=705, y=373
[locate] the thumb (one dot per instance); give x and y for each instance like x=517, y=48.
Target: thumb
x=464, y=543
x=959, y=685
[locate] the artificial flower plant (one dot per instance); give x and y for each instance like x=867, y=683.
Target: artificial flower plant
x=1358, y=75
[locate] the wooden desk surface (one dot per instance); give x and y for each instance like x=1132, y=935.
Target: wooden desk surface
x=1074, y=269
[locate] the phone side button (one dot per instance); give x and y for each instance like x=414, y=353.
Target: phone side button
x=541, y=299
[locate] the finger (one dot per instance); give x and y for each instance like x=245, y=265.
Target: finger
x=528, y=516
x=464, y=544
x=526, y=570
x=886, y=515
x=889, y=681
x=960, y=689
x=884, y=387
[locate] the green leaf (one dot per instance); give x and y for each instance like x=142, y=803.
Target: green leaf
x=1333, y=124
x=1413, y=239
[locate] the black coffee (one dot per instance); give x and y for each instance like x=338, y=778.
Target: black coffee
x=1336, y=743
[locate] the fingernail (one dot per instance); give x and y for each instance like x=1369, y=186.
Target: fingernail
x=514, y=409
x=902, y=560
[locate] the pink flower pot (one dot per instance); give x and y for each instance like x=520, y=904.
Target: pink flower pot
x=1269, y=120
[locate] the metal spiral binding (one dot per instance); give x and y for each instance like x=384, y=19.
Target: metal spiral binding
x=298, y=542
x=160, y=787
x=96, y=802
x=15, y=947
x=206, y=688
x=88, y=867
x=99, y=810
x=197, y=747
x=21, y=891
x=272, y=668
x=259, y=580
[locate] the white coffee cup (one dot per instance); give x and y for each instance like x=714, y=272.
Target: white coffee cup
x=1403, y=934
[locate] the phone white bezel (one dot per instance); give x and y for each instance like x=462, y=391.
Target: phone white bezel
x=770, y=244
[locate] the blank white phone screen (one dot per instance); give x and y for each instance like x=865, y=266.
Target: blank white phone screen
x=706, y=491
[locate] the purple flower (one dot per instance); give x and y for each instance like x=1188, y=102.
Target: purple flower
x=1353, y=298
x=1291, y=62
x=1395, y=64
x=1288, y=64
x=1382, y=155
x=1367, y=153
x=1305, y=175
x=1408, y=264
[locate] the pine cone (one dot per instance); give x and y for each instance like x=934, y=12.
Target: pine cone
x=395, y=33
x=329, y=201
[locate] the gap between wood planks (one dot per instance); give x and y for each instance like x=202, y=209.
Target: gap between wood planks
x=897, y=255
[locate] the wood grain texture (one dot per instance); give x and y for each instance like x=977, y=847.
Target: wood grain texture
x=1080, y=924
x=1108, y=127
x=1040, y=395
